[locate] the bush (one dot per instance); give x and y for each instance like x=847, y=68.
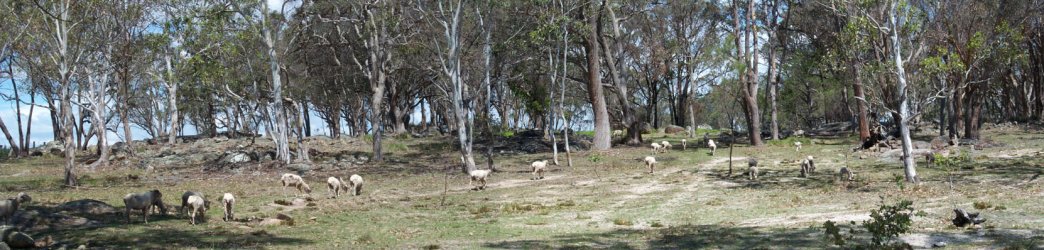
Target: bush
x=886, y=223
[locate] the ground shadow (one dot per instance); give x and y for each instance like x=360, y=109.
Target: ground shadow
x=677, y=237
x=170, y=238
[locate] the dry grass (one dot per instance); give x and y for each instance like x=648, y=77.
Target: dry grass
x=605, y=201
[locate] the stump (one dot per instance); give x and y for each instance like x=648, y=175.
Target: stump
x=963, y=218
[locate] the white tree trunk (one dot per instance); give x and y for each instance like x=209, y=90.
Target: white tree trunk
x=172, y=100
x=279, y=128
x=904, y=110
x=451, y=67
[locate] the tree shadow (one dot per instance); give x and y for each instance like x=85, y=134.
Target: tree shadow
x=166, y=238
x=676, y=237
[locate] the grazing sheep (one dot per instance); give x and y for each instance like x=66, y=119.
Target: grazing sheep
x=228, y=201
x=144, y=202
x=618, y=133
x=650, y=162
x=293, y=180
x=684, y=142
x=335, y=185
x=197, y=205
x=184, y=201
x=10, y=205
x=538, y=169
x=356, y=183
x=656, y=147
x=713, y=147
x=666, y=145
x=808, y=166
x=752, y=169
x=797, y=146
x=846, y=175
x=480, y=176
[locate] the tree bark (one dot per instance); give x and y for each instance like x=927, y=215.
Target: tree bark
x=904, y=111
x=279, y=126
x=634, y=133
x=594, y=84
x=860, y=98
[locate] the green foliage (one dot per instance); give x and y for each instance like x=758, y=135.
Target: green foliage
x=586, y=133
x=961, y=160
x=888, y=222
x=507, y=133
x=594, y=158
x=834, y=236
x=898, y=179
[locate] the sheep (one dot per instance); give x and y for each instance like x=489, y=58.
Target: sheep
x=335, y=185
x=808, y=166
x=197, y=205
x=684, y=142
x=356, y=183
x=666, y=145
x=184, y=201
x=713, y=147
x=797, y=146
x=293, y=180
x=656, y=147
x=144, y=202
x=845, y=174
x=228, y=200
x=650, y=162
x=480, y=176
x=752, y=169
x=9, y=206
x=538, y=169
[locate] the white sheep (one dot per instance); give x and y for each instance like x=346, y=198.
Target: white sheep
x=650, y=162
x=356, y=183
x=144, y=202
x=752, y=169
x=538, y=169
x=479, y=175
x=811, y=164
x=656, y=147
x=797, y=146
x=713, y=147
x=293, y=180
x=9, y=206
x=666, y=145
x=228, y=200
x=184, y=201
x=197, y=205
x=335, y=185
x=684, y=142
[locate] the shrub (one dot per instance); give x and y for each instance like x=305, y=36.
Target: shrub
x=886, y=222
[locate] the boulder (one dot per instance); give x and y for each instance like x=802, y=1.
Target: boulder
x=16, y=239
x=3, y=246
x=300, y=167
x=87, y=207
x=674, y=129
x=235, y=157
